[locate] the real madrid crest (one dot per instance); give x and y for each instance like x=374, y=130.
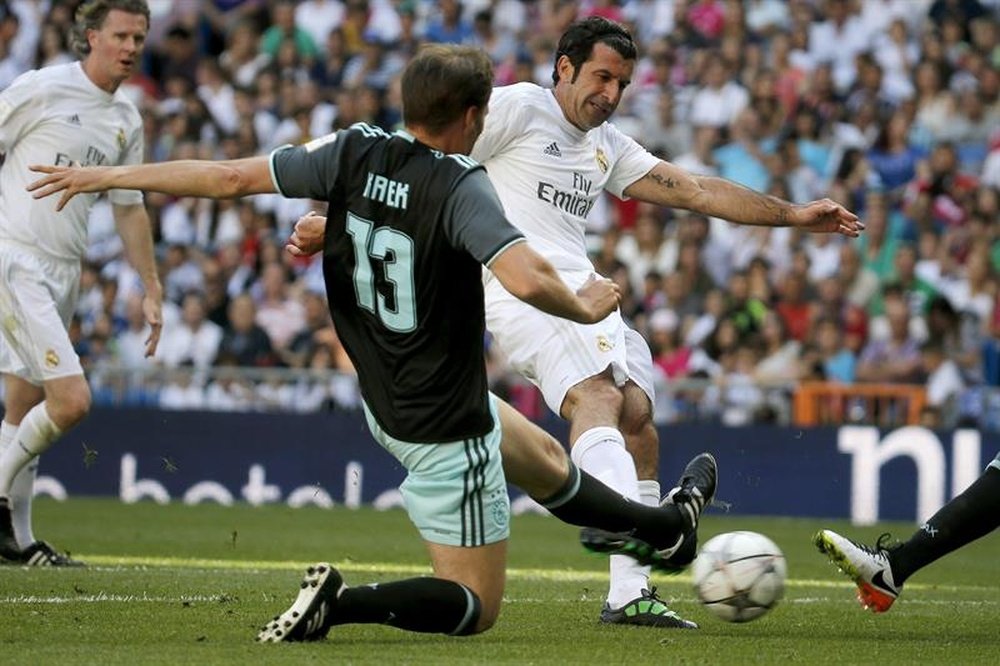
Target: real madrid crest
x=51, y=358
x=604, y=344
x=121, y=139
x=602, y=160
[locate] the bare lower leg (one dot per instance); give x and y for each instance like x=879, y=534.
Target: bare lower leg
x=19, y=397
x=593, y=403
x=641, y=438
x=594, y=409
x=482, y=569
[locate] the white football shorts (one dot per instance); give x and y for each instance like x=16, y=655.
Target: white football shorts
x=37, y=297
x=555, y=354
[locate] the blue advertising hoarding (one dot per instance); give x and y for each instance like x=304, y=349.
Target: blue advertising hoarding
x=329, y=459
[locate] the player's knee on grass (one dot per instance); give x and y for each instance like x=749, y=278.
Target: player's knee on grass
x=486, y=620
x=487, y=600
x=481, y=570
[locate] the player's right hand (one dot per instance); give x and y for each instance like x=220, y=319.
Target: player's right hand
x=308, y=235
x=70, y=181
x=601, y=296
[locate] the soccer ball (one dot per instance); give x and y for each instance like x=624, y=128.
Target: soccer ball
x=739, y=576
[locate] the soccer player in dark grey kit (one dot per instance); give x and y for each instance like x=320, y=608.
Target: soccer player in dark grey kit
x=411, y=222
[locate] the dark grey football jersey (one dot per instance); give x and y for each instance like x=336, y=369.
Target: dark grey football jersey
x=408, y=229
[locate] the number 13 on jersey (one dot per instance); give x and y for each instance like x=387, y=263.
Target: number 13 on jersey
x=394, y=249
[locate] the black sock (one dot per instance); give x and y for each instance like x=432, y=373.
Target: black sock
x=585, y=501
x=427, y=605
x=964, y=519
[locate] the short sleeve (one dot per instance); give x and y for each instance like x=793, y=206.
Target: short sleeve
x=500, y=127
x=20, y=109
x=633, y=163
x=474, y=220
x=308, y=171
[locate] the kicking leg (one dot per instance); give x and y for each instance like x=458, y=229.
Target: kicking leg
x=534, y=461
x=879, y=571
x=594, y=408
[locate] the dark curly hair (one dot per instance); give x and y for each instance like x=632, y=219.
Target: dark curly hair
x=577, y=43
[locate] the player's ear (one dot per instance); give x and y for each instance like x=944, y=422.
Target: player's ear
x=565, y=68
x=471, y=117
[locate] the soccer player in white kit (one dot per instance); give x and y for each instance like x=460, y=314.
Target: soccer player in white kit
x=549, y=154
x=64, y=114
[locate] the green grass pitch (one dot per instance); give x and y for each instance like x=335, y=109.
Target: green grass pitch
x=191, y=585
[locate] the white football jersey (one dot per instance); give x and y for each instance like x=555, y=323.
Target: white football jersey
x=57, y=115
x=549, y=173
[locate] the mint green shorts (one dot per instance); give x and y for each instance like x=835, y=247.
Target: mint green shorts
x=455, y=492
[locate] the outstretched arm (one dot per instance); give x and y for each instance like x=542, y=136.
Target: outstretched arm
x=669, y=185
x=197, y=178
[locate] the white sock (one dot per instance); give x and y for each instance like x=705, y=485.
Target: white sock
x=649, y=492
x=21, y=490
x=7, y=432
x=601, y=453
x=35, y=435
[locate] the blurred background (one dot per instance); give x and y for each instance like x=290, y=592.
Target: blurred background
x=891, y=107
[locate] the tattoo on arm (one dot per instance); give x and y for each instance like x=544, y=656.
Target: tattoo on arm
x=773, y=205
x=668, y=182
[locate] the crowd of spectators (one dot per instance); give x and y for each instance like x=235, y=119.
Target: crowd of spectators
x=891, y=107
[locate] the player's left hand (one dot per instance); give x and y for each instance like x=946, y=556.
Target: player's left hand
x=827, y=216
x=308, y=235
x=152, y=308
x=68, y=180
x=601, y=296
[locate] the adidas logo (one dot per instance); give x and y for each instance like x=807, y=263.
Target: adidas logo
x=553, y=150
x=74, y=120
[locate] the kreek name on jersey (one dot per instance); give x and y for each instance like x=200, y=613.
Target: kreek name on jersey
x=392, y=193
